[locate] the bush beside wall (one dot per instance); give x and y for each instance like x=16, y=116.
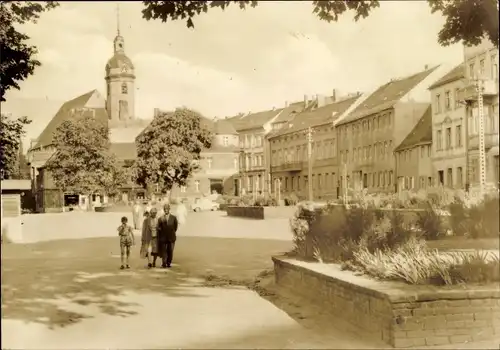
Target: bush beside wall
x=400, y=315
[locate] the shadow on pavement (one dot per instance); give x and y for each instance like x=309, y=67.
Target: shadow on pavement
x=59, y=283
x=57, y=293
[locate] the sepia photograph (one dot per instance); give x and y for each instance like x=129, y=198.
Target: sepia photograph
x=250, y=174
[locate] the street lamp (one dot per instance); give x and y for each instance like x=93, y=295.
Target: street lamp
x=309, y=134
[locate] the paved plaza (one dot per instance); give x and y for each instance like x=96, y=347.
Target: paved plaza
x=56, y=292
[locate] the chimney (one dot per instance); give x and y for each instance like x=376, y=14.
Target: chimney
x=320, y=101
x=426, y=67
x=286, y=104
x=305, y=101
x=334, y=95
x=156, y=112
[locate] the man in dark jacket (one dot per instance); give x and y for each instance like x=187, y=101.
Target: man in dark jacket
x=166, y=235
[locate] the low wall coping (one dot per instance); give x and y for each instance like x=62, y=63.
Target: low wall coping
x=394, y=291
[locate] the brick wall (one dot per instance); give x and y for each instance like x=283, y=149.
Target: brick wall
x=452, y=321
x=398, y=314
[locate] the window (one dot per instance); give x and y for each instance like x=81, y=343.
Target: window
x=448, y=138
x=447, y=100
x=438, y=103
x=472, y=73
x=428, y=151
x=457, y=98
x=494, y=68
x=183, y=189
x=439, y=141
x=124, y=88
x=481, y=67
x=225, y=141
x=449, y=177
x=459, y=176
x=197, y=186
x=458, y=135
x=209, y=163
x=422, y=151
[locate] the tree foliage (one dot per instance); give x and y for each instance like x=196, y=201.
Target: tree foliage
x=465, y=20
x=83, y=162
x=169, y=148
x=11, y=133
x=17, y=55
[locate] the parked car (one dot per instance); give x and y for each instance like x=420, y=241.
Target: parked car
x=204, y=204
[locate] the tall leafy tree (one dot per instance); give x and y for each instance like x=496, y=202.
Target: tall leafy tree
x=83, y=162
x=169, y=148
x=466, y=20
x=17, y=55
x=11, y=133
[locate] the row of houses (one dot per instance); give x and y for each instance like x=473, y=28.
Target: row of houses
x=410, y=133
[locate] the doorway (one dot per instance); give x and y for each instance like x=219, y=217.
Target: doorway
x=441, y=177
x=216, y=185
x=236, y=187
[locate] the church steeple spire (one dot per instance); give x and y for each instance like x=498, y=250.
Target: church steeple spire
x=118, y=19
x=119, y=43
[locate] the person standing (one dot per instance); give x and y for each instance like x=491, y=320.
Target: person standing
x=127, y=240
x=149, y=244
x=167, y=235
x=181, y=213
x=136, y=215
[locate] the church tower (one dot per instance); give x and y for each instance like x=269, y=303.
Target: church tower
x=120, y=83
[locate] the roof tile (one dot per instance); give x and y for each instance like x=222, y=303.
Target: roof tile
x=46, y=137
x=456, y=73
x=387, y=95
x=421, y=133
x=319, y=116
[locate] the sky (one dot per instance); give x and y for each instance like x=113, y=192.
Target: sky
x=232, y=61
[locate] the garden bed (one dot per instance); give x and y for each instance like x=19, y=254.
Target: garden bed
x=253, y=212
x=399, y=314
x=261, y=213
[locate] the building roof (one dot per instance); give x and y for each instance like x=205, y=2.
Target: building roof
x=124, y=150
x=455, y=74
x=224, y=127
x=255, y=120
x=387, y=95
x=21, y=185
x=319, y=116
x=290, y=112
x=421, y=133
x=118, y=60
x=46, y=137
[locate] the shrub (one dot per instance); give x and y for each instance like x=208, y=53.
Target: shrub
x=265, y=201
x=413, y=263
x=300, y=228
x=458, y=217
x=430, y=223
x=291, y=199
x=475, y=219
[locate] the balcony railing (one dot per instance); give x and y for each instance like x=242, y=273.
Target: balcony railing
x=469, y=92
x=289, y=166
x=490, y=140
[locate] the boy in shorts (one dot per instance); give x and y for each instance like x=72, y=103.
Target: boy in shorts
x=127, y=240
